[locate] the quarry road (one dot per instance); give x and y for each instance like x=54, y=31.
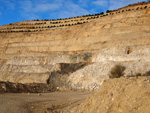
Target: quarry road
x=41, y=103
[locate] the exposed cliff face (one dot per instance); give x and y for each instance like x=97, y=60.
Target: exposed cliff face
x=123, y=37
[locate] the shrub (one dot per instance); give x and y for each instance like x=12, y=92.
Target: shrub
x=145, y=7
x=138, y=74
x=147, y=73
x=117, y=71
x=108, y=11
x=101, y=13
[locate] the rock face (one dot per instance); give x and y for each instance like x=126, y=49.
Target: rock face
x=118, y=37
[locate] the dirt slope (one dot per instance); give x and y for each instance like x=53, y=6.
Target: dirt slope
x=123, y=95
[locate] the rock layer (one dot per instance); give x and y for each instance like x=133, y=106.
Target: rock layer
x=118, y=37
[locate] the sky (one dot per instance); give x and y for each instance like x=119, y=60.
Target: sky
x=19, y=10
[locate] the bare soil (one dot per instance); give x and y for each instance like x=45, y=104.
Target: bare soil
x=55, y=102
x=120, y=95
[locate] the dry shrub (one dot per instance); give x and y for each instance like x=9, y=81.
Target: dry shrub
x=147, y=73
x=138, y=74
x=117, y=71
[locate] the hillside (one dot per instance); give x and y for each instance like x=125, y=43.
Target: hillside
x=130, y=96
x=76, y=52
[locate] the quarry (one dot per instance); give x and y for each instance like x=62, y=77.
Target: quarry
x=75, y=55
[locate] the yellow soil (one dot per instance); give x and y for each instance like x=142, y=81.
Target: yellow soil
x=123, y=95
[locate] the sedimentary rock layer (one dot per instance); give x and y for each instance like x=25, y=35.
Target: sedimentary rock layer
x=121, y=36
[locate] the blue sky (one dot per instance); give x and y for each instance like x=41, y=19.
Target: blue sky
x=19, y=10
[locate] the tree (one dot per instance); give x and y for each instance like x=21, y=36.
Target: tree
x=108, y=11
x=101, y=13
x=145, y=7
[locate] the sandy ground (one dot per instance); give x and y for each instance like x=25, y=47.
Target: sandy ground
x=55, y=102
x=120, y=95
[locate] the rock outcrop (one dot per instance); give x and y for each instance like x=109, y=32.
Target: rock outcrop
x=118, y=37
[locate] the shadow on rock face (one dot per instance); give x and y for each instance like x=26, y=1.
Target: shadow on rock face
x=59, y=78
x=9, y=87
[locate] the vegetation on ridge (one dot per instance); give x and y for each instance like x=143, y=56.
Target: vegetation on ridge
x=117, y=71
x=39, y=25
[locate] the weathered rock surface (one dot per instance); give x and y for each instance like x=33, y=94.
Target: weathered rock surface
x=122, y=36
x=8, y=87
